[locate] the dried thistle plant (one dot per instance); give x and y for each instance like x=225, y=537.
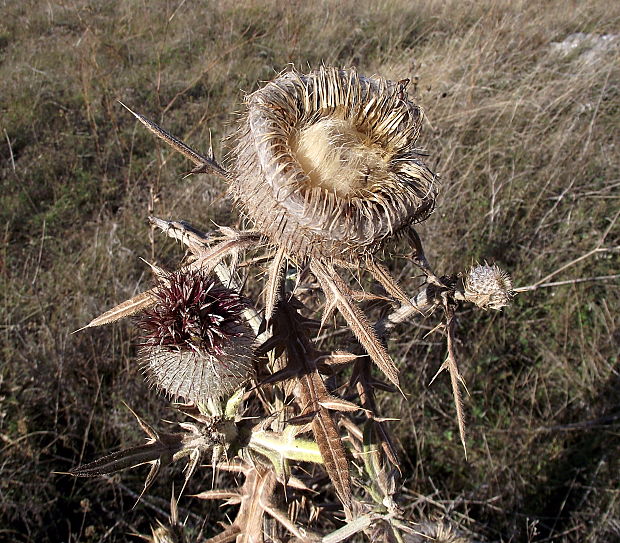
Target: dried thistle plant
x=325, y=168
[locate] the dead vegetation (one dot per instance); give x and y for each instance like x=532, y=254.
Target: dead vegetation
x=523, y=134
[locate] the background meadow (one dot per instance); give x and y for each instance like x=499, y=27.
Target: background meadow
x=523, y=113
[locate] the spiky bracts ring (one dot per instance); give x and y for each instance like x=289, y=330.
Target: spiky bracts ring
x=326, y=164
x=196, y=344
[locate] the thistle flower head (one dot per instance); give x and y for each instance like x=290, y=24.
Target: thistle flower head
x=326, y=163
x=488, y=286
x=195, y=341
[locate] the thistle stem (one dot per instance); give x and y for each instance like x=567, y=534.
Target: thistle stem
x=285, y=447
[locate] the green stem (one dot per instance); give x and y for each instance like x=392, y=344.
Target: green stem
x=285, y=446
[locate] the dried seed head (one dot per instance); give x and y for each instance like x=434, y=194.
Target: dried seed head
x=488, y=287
x=326, y=163
x=196, y=344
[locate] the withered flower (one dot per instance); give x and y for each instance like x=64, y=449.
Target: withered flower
x=326, y=163
x=196, y=344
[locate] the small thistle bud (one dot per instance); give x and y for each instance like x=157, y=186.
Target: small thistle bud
x=196, y=343
x=326, y=164
x=488, y=287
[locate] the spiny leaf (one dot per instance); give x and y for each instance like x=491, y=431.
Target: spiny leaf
x=332, y=284
x=118, y=461
x=183, y=232
x=227, y=536
x=338, y=404
x=329, y=310
x=360, y=296
x=231, y=494
x=331, y=363
x=210, y=258
x=337, y=358
x=334, y=455
x=124, y=309
x=366, y=386
x=204, y=164
x=160, y=273
x=326, y=434
x=455, y=377
x=273, y=284
x=146, y=427
x=302, y=362
x=381, y=274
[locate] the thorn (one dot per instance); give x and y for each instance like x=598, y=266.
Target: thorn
x=440, y=326
x=148, y=429
x=150, y=478
x=159, y=272
x=136, y=115
x=174, y=510
x=441, y=368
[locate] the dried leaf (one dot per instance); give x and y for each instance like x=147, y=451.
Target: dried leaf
x=455, y=377
x=210, y=258
x=223, y=494
x=382, y=274
x=160, y=273
x=122, y=310
x=204, y=164
x=333, y=453
x=273, y=284
x=327, y=437
x=183, y=232
x=302, y=362
x=329, y=310
x=331, y=363
x=338, y=404
x=332, y=284
x=227, y=536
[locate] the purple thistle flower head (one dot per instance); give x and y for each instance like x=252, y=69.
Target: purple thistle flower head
x=193, y=313
x=196, y=343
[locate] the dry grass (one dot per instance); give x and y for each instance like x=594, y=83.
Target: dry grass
x=525, y=139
